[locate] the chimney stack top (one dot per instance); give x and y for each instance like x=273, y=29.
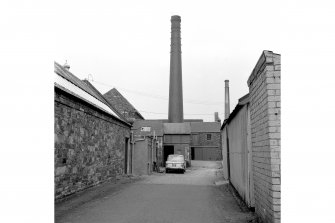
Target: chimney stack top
x=175, y=18
x=226, y=82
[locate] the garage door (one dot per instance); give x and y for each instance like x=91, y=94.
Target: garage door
x=203, y=153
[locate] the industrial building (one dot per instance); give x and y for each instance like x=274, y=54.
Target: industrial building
x=251, y=140
x=91, y=138
x=195, y=139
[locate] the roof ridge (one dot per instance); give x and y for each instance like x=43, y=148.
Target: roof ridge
x=105, y=100
x=80, y=84
x=75, y=77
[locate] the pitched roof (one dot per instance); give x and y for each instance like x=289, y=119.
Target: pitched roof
x=102, y=98
x=120, y=102
x=69, y=83
x=205, y=127
x=61, y=71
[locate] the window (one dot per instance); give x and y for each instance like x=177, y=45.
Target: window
x=209, y=137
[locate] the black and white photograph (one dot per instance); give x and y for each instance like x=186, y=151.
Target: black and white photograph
x=168, y=111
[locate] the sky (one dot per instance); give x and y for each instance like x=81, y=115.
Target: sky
x=126, y=45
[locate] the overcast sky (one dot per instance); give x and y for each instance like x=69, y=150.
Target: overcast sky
x=126, y=45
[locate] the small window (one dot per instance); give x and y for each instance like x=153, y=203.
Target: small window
x=209, y=137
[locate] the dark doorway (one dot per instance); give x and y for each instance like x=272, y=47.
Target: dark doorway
x=126, y=156
x=192, y=153
x=167, y=151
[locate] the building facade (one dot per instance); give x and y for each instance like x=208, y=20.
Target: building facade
x=91, y=140
x=206, y=141
x=194, y=140
x=251, y=140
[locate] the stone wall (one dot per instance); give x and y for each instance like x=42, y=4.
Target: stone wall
x=264, y=89
x=89, y=145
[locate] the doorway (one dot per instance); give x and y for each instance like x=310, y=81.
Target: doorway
x=167, y=151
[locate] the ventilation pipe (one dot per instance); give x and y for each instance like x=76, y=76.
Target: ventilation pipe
x=216, y=117
x=227, y=100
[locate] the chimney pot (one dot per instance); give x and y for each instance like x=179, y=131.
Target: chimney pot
x=66, y=66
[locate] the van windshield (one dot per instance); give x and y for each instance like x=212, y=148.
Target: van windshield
x=176, y=158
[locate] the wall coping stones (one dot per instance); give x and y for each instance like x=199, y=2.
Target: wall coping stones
x=266, y=59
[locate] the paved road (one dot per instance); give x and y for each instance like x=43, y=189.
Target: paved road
x=190, y=197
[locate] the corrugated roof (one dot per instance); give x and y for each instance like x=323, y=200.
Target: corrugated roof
x=156, y=126
x=177, y=128
x=241, y=102
x=205, y=126
x=68, y=82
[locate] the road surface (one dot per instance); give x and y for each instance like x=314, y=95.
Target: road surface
x=173, y=197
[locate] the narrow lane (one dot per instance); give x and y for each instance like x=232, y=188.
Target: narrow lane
x=189, y=197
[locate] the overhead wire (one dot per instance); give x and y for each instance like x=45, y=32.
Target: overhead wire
x=162, y=113
x=189, y=101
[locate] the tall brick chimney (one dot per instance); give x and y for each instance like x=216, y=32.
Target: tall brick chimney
x=176, y=114
x=226, y=101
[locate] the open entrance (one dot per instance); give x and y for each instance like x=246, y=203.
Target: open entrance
x=192, y=153
x=167, y=151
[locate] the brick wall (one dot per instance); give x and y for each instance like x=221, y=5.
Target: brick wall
x=264, y=89
x=200, y=140
x=215, y=139
x=89, y=145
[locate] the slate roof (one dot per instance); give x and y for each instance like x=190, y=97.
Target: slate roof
x=61, y=71
x=71, y=84
x=121, y=103
x=102, y=98
x=197, y=127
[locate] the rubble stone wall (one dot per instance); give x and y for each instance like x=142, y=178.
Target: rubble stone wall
x=89, y=145
x=265, y=111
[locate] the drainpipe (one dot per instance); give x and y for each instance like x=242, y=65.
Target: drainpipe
x=227, y=100
x=226, y=116
x=228, y=156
